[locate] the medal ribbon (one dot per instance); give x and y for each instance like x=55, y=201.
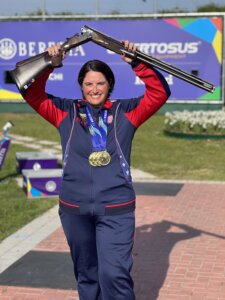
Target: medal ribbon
x=98, y=131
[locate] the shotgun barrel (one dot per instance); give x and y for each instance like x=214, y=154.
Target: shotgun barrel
x=118, y=47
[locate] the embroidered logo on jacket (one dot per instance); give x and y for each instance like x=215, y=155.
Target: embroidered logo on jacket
x=82, y=119
x=110, y=119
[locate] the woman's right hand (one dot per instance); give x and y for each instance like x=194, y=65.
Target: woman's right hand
x=130, y=47
x=56, y=50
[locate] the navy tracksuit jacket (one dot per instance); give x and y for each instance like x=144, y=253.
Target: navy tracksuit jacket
x=103, y=196
x=106, y=190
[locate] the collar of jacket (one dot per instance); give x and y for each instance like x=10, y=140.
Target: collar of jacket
x=107, y=104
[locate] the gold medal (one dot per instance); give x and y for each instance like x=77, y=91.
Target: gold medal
x=99, y=158
x=105, y=158
x=93, y=159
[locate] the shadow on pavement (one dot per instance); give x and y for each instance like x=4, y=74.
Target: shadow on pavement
x=152, y=249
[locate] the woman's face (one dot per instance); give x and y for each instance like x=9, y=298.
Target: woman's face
x=95, y=88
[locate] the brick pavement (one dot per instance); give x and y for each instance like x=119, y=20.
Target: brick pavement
x=179, y=251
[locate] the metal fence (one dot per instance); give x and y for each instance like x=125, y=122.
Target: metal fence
x=97, y=8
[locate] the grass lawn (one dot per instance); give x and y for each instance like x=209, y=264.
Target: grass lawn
x=177, y=158
x=154, y=152
x=15, y=209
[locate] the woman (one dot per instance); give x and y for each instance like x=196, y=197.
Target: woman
x=97, y=199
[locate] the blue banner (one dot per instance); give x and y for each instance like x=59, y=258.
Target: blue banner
x=191, y=44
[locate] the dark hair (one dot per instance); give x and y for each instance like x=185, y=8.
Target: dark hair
x=97, y=66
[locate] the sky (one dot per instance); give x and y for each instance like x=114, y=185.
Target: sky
x=21, y=7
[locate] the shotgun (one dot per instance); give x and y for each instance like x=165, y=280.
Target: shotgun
x=114, y=45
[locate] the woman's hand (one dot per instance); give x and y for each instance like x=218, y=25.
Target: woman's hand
x=56, y=50
x=130, y=47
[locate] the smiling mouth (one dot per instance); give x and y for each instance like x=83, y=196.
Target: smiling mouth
x=95, y=96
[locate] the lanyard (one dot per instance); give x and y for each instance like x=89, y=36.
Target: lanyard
x=98, y=131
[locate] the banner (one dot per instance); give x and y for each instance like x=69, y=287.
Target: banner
x=191, y=44
x=4, y=147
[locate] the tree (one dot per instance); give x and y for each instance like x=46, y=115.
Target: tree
x=211, y=8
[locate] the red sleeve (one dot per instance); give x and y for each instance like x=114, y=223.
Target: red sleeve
x=156, y=93
x=37, y=98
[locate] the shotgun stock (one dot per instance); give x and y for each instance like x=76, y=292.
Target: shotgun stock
x=28, y=70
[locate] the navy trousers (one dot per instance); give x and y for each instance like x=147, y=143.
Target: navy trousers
x=101, y=250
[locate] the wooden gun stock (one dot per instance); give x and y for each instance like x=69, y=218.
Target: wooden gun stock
x=28, y=70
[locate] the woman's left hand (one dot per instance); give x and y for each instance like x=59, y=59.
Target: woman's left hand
x=130, y=47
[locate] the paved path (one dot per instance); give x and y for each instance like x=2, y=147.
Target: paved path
x=179, y=251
